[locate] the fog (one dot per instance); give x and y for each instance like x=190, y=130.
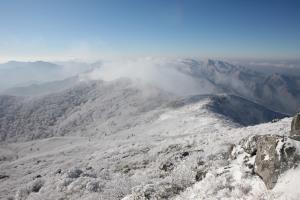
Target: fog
x=180, y=76
x=160, y=72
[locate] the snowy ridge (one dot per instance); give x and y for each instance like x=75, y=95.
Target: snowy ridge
x=160, y=157
x=110, y=107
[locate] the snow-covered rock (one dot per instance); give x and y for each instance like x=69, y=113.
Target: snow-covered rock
x=267, y=160
x=272, y=156
x=295, y=127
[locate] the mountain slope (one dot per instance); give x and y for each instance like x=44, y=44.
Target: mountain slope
x=242, y=111
x=279, y=92
x=159, y=159
x=276, y=91
x=99, y=108
x=132, y=139
x=42, y=88
x=83, y=109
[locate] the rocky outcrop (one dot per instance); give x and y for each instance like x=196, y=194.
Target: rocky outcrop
x=272, y=155
x=267, y=160
x=295, y=127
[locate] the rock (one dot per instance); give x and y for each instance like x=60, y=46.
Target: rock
x=295, y=128
x=267, y=156
x=289, y=156
x=267, y=161
x=249, y=144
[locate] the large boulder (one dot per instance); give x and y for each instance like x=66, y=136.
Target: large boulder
x=267, y=160
x=272, y=155
x=295, y=127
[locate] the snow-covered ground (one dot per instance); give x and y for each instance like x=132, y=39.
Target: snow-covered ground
x=164, y=131
x=158, y=159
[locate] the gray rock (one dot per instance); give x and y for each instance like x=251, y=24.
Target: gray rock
x=289, y=156
x=295, y=128
x=267, y=161
x=274, y=155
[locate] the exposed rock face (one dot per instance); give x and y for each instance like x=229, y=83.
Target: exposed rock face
x=295, y=128
x=267, y=160
x=273, y=155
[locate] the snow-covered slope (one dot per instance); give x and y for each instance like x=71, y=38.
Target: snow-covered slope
x=276, y=91
x=148, y=136
x=122, y=141
x=89, y=108
x=241, y=110
x=159, y=158
x=97, y=108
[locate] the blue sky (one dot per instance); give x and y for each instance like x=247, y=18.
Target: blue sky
x=94, y=29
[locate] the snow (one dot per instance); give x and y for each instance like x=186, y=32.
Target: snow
x=287, y=186
x=131, y=158
x=126, y=142
x=278, y=149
